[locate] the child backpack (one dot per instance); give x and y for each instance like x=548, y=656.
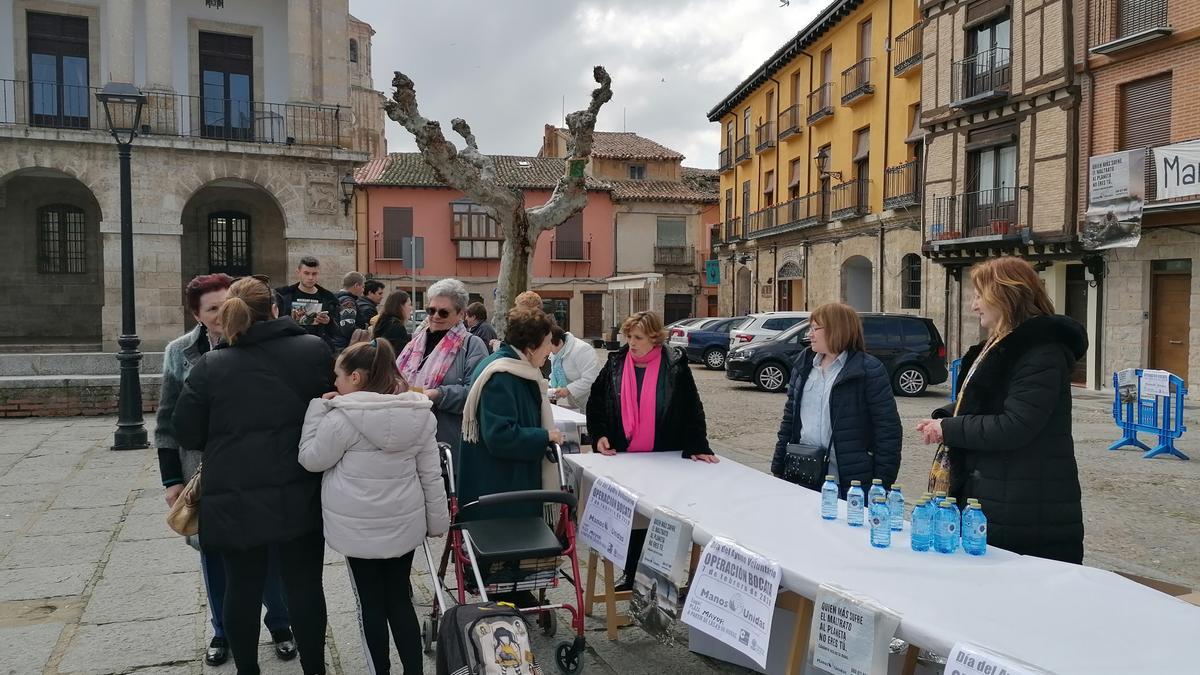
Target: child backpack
x=486, y=638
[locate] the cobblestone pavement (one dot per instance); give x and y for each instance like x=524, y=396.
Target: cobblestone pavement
x=92, y=581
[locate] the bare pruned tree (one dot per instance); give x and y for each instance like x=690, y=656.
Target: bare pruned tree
x=474, y=173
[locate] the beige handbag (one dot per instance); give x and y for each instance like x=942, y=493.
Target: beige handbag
x=184, y=516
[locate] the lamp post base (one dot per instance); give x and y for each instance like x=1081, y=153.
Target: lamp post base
x=131, y=431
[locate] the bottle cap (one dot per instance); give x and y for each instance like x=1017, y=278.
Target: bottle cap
x=856, y=482
x=921, y=501
x=941, y=493
x=896, y=486
x=876, y=481
x=948, y=502
x=829, y=477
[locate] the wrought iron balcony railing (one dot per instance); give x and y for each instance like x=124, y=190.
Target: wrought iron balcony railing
x=820, y=103
x=909, y=49
x=764, y=136
x=856, y=81
x=902, y=185
x=990, y=214
x=790, y=120
x=981, y=77
x=1120, y=24
x=794, y=214
x=850, y=199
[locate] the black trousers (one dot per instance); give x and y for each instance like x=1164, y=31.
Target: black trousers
x=300, y=566
x=383, y=590
x=637, y=541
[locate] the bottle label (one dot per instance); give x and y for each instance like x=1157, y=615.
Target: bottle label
x=981, y=529
x=876, y=521
x=951, y=527
x=855, y=502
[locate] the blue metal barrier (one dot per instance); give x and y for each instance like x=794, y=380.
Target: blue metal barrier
x=954, y=366
x=1161, y=415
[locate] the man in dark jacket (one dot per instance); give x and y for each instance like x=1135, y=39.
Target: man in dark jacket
x=476, y=318
x=1010, y=441
x=353, y=287
x=367, y=306
x=866, y=435
x=310, y=305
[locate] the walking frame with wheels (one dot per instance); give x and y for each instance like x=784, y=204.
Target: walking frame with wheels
x=528, y=552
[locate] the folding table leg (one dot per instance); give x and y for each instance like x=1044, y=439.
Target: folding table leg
x=610, y=600
x=910, y=660
x=589, y=599
x=798, y=648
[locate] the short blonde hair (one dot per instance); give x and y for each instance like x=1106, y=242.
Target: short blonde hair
x=843, y=328
x=1012, y=286
x=529, y=300
x=650, y=323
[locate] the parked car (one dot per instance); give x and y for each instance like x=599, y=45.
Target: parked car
x=418, y=317
x=764, y=325
x=677, y=333
x=709, y=343
x=910, y=347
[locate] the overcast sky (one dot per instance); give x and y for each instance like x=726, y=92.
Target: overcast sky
x=506, y=66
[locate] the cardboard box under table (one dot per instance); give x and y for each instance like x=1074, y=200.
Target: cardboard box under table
x=1059, y=617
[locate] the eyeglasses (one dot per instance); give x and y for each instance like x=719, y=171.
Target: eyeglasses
x=442, y=313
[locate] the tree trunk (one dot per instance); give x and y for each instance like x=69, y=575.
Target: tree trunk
x=516, y=267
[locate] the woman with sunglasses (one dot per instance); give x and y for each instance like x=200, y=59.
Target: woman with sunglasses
x=441, y=356
x=243, y=407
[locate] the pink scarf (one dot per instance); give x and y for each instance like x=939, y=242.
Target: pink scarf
x=430, y=376
x=638, y=409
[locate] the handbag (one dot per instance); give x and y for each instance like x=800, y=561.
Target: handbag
x=805, y=464
x=184, y=516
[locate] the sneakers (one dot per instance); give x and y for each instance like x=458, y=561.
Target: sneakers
x=285, y=644
x=217, y=652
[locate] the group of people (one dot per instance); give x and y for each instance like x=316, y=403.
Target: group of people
x=296, y=449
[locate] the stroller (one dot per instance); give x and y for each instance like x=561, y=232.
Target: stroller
x=506, y=555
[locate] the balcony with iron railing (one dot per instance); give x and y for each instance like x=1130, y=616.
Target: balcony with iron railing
x=981, y=78
x=58, y=106
x=902, y=185
x=1121, y=24
x=725, y=159
x=850, y=199
x=742, y=149
x=908, y=48
x=570, y=251
x=764, y=136
x=790, y=121
x=976, y=217
x=733, y=230
x=794, y=214
x=820, y=103
x=856, y=81
x=674, y=256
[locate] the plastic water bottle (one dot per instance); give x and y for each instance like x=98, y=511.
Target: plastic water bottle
x=829, y=499
x=974, y=537
x=922, y=526
x=946, y=524
x=881, y=523
x=895, y=503
x=854, y=504
x=877, y=490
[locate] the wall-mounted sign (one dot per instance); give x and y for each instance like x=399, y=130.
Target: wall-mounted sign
x=1116, y=193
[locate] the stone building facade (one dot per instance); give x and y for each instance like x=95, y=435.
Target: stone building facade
x=243, y=140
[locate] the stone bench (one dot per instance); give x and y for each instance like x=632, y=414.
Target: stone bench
x=70, y=384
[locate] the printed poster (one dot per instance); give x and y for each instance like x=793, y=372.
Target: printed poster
x=1155, y=383
x=1127, y=385
x=1116, y=195
x=968, y=659
x=732, y=598
x=661, y=572
x=850, y=634
x=608, y=519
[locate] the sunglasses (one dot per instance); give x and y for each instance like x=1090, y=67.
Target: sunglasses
x=442, y=313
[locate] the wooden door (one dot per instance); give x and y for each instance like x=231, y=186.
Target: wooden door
x=1170, y=306
x=593, y=315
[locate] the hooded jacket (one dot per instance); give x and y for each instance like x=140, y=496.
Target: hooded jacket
x=382, y=491
x=581, y=367
x=1010, y=443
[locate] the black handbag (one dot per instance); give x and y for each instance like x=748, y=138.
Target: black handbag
x=805, y=464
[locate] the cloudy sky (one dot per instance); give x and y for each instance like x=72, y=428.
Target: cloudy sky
x=505, y=66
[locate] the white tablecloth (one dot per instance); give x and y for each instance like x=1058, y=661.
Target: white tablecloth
x=562, y=414
x=1060, y=617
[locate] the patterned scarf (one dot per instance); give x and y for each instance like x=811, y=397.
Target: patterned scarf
x=430, y=376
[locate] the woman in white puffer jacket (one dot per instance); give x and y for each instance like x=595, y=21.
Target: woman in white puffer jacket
x=382, y=492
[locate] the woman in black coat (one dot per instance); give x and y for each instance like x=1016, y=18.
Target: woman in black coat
x=840, y=399
x=389, y=324
x=1009, y=438
x=243, y=406
x=645, y=400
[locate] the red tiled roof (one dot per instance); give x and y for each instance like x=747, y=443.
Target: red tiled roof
x=657, y=191
x=409, y=169
x=628, y=145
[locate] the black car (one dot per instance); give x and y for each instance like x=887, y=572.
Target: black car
x=910, y=347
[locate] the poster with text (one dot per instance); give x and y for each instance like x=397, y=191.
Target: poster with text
x=732, y=597
x=1116, y=196
x=608, y=519
x=661, y=572
x=850, y=634
x=969, y=659
x=1155, y=383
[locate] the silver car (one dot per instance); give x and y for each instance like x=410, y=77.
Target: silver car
x=677, y=333
x=764, y=325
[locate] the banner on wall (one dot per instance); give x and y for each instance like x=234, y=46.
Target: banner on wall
x=1178, y=170
x=1116, y=195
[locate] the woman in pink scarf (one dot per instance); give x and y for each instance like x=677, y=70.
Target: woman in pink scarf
x=645, y=400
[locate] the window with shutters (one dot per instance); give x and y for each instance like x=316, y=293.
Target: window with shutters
x=229, y=243
x=568, y=240
x=397, y=231
x=1139, y=16
x=910, y=275
x=794, y=179
x=477, y=234
x=61, y=244
x=1146, y=119
x=769, y=188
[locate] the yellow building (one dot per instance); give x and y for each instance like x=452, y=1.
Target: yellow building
x=821, y=170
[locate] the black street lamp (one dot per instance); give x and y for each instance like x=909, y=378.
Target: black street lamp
x=347, y=184
x=123, y=109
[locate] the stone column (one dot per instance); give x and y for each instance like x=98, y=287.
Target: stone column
x=299, y=18
x=120, y=41
x=158, y=45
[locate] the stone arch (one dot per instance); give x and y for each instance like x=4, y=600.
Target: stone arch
x=790, y=269
x=285, y=191
x=857, y=283
x=209, y=219
x=53, y=257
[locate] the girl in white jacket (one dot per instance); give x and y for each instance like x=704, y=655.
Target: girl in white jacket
x=382, y=491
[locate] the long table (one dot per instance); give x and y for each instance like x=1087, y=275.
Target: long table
x=1060, y=617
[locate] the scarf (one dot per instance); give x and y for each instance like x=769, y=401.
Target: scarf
x=430, y=375
x=638, y=408
x=558, y=374
x=520, y=367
